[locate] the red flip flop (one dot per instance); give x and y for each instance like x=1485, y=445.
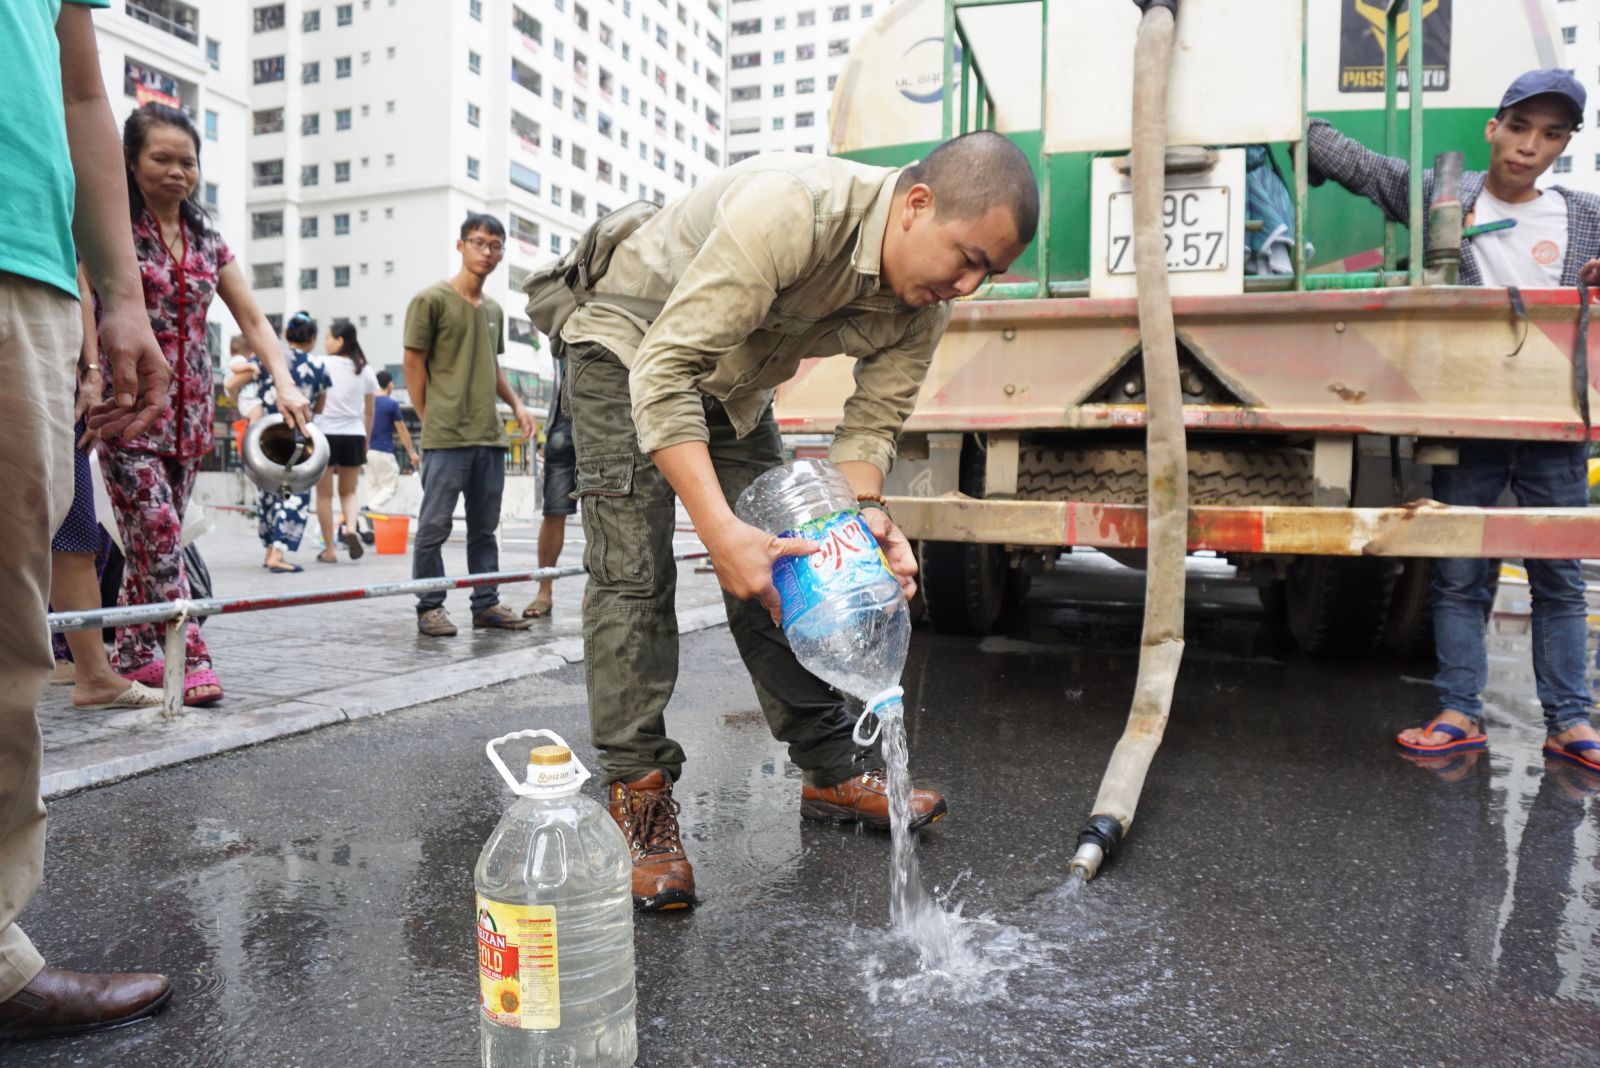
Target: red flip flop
x=1574, y=753
x=1460, y=741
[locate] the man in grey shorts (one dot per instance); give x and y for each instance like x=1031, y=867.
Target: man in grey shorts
x=560, y=501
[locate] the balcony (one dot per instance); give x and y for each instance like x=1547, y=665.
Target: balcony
x=169, y=16
x=147, y=84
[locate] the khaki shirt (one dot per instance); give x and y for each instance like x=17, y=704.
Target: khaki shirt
x=774, y=260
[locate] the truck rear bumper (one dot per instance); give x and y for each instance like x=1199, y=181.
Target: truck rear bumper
x=1423, y=528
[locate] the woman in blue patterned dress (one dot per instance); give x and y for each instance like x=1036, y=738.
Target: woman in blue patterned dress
x=281, y=518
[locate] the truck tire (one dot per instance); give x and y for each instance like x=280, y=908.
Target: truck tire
x=965, y=586
x=1334, y=605
x=1119, y=476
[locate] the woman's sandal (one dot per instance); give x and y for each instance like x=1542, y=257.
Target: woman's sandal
x=201, y=679
x=539, y=608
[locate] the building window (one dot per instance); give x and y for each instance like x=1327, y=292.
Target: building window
x=745, y=27
x=211, y=125
x=805, y=85
x=578, y=203
x=806, y=18
x=475, y=10
x=474, y=62
x=341, y=119
x=308, y=278
x=804, y=52
x=527, y=25
x=310, y=73
x=389, y=51
x=473, y=115
x=741, y=60
x=267, y=70
x=777, y=56
x=341, y=278
x=1563, y=165
x=555, y=244
x=268, y=172
x=311, y=124
x=1569, y=35
x=527, y=77
x=269, y=17
x=308, y=174
x=308, y=226
x=211, y=193
x=777, y=124
x=388, y=213
x=345, y=14
x=311, y=21
x=341, y=223
x=841, y=14
x=266, y=224
x=525, y=178
x=472, y=168
x=839, y=46
x=804, y=118
x=266, y=276
x=388, y=318
x=777, y=90
x=388, y=106
x=341, y=67
x=214, y=53
x=341, y=171
x=388, y=159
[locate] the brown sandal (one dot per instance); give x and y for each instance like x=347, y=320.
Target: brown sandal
x=539, y=608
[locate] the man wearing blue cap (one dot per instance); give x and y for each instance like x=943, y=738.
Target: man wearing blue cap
x=1553, y=240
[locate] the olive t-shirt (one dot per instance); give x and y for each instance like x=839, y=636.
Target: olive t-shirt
x=461, y=342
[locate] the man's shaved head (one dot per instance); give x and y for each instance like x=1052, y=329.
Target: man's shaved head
x=974, y=173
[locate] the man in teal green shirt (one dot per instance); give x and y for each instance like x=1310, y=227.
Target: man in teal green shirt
x=55, y=127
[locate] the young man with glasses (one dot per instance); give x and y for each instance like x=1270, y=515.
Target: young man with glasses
x=454, y=335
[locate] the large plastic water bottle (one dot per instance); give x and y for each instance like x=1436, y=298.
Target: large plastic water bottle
x=843, y=612
x=555, y=924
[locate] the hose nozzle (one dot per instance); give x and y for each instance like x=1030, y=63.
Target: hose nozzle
x=1096, y=842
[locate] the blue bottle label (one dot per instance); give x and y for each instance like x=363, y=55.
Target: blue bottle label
x=849, y=557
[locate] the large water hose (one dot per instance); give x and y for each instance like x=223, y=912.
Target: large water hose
x=1161, y=647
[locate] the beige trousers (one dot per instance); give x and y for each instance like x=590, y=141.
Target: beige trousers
x=382, y=476
x=40, y=331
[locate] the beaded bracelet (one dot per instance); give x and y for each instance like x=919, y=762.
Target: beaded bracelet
x=873, y=500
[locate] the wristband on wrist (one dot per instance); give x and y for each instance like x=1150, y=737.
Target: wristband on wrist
x=873, y=500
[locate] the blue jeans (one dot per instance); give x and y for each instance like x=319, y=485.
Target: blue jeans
x=478, y=473
x=1540, y=474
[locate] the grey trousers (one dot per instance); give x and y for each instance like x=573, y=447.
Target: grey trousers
x=478, y=474
x=630, y=622
x=40, y=331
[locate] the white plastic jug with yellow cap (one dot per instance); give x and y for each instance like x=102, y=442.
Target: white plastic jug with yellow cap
x=555, y=923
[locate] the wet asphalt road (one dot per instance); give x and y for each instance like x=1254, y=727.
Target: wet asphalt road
x=1293, y=893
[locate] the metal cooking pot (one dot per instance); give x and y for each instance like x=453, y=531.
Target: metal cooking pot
x=281, y=460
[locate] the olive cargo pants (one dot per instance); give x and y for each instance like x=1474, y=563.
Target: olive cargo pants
x=630, y=623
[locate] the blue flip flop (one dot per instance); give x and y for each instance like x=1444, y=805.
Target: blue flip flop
x=1460, y=741
x=1572, y=753
x=292, y=569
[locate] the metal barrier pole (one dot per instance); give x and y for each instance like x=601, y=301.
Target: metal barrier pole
x=215, y=606
x=174, y=642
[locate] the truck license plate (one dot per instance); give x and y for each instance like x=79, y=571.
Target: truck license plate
x=1196, y=224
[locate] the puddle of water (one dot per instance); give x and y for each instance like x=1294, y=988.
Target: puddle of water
x=932, y=951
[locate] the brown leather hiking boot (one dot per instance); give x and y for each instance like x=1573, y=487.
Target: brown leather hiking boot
x=865, y=799
x=648, y=816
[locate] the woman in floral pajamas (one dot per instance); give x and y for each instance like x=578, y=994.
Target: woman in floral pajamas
x=183, y=264
x=281, y=518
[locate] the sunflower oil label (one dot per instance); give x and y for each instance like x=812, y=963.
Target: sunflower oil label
x=519, y=973
x=849, y=557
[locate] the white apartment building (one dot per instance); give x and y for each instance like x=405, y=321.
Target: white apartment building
x=1579, y=167
x=783, y=59
x=192, y=56
x=378, y=124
